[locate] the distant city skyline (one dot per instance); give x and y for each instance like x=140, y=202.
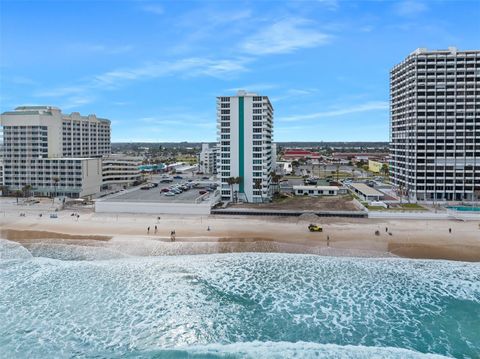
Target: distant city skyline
x=155, y=68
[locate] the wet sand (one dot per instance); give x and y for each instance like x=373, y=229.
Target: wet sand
x=428, y=239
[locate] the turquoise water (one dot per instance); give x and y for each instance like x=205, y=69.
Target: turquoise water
x=465, y=208
x=236, y=306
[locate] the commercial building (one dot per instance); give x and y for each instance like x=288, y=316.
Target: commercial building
x=435, y=125
x=316, y=190
x=365, y=192
x=297, y=154
x=53, y=153
x=375, y=166
x=284, y=168
x=245, y=130
x=120, y=171
x=208, y=159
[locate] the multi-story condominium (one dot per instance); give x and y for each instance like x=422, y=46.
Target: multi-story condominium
x=208, y=159
x=435, y=125
x=53, y=153
x=120, y=171
x=245, y=130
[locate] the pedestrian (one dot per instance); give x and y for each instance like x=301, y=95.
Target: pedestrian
x=328, y=241
x=386, y=229
x=155, y=229
x=208, y=228
x=148, y=230
x=449, y=230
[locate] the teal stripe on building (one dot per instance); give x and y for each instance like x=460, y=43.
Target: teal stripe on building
x=241, y=143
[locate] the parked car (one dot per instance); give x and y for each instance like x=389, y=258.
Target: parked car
x=145, y=187
x=205, y=178
x=170, y=194
x=202, y=192
x=177, y=177
x=164, y=190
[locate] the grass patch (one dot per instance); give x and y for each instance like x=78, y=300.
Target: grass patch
x=412, y=206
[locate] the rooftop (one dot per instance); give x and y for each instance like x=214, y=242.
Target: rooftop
x=366, y=190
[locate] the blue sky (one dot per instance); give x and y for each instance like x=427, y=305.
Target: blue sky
x=155, y=67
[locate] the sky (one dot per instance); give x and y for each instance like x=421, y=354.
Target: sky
x=154, y=68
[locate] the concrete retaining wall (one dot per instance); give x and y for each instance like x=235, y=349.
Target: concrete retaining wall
x=425, y=215
x=156, y=208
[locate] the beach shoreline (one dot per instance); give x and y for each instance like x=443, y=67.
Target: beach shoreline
x=427, y=239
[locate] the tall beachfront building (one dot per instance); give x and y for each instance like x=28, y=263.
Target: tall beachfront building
x=245, y=131
x=53, y=153
x=207, y=159
x=435, y=125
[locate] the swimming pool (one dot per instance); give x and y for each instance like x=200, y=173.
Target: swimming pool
x=464, y=208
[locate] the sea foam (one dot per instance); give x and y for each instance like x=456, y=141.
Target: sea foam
x=128, y=306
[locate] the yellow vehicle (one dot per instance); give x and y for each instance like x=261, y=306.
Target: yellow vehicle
x=315, y=228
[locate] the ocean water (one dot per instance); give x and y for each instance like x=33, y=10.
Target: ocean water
x=235, y=306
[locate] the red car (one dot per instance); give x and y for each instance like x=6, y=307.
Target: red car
x=164, y=190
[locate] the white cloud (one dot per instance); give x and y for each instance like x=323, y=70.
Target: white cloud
x=331, y=4
x=284, y=36
x=409, y=8
x=369, y=106
x=190, y=67
x=60, y=91
x=293, y=93
x=186, y=67
x=76, y=101
x=154, y=9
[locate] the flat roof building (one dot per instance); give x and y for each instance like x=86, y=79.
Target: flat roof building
x=435, y=125
x=53, y=153
x=316, y=190
x=120, y=171
x=367, y=193
x=245, y=131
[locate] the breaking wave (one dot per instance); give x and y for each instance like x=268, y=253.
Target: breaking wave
x=237, y=306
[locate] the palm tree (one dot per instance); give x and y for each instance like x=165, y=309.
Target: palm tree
x=238, y=180
x=385, y=169
x=295, y=165
x=55, y=185
x=4, y=190
x=275, y=180
x=18, y=193
x=26, y=190
x=231, y=181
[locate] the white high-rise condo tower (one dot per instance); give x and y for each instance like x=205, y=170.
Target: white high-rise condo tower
x=245, y=130
x=435, y=125
x=52, y=153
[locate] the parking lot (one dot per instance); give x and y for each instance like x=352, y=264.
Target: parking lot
x=155, y=195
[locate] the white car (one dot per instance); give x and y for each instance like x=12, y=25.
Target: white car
x=169, y=194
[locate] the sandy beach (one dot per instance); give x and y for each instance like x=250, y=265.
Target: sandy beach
x=128, y=235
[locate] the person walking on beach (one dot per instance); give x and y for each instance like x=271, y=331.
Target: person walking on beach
x=208, y=228
x=155, y=229
x=450, y=230
x=148, y=230
x=386, y=229
x=328, y=241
